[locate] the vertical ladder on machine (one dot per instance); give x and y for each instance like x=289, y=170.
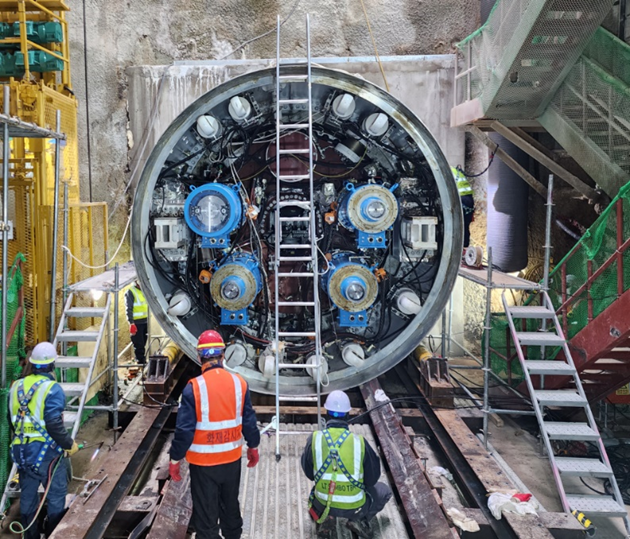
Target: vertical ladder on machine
x=550, y=430
x=76, y=390
x=303, y=253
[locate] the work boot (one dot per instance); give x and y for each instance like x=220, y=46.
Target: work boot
x=360, y=527
x=326, y=529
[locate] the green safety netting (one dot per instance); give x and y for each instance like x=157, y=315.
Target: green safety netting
x=15, y=352
x=597, y=246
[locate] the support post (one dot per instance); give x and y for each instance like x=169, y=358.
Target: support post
x=547, y=248
x=64, y=254
x=619, y=209
x=115, y=354
x=486, y=352
x=55, y=238
x=6, y=155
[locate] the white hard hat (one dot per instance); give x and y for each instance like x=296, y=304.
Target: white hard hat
x=43, y=354
x=337, y=401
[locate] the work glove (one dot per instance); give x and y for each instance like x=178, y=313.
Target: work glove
x=252, y=457
x=72, y=450
x=133, y=329
x=174, y=471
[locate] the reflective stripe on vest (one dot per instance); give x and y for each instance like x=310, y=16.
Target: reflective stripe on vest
x=351, y=453
x=219, y=406
x=140, y=309
x=463, y=187
x=35, y=406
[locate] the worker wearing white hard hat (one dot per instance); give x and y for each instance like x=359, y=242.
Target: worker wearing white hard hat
x=337, y=457
x=40, y=440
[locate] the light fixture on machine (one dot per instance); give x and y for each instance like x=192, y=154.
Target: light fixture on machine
x=234, y=286
x=213, y=211
x=352, y=287
x=370, y=210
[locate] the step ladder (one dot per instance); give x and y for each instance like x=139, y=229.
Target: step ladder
x=563, y=467
x=77, y=391
x=303, y=253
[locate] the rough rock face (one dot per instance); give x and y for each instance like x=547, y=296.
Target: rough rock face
x=122, y=33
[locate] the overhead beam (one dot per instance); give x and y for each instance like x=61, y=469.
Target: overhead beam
x=575, y=182
x=509, y=161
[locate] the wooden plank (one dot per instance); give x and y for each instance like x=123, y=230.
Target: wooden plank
x=489, y=472
x=173, y=515
x=562, y=525
x=425, y=514
x=509, y=161
x=311, y=410
x=554, y=167
x=484, y=466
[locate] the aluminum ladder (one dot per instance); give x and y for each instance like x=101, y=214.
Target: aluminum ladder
x=563, y=467
x=302, y=253
x=77, y=390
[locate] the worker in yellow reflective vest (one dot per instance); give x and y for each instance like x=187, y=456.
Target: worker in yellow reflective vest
x=468, y=202
x=345, y=470
x=137, y=316
x=40, y=441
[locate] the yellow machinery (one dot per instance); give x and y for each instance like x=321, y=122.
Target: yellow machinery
x=34, y=62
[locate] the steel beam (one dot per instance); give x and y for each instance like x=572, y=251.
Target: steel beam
x=426, y=518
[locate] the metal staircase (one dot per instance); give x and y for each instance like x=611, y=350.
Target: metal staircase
x=517, y=60
x=588, y=115
x=563, y=468
x=76, y=391
x=286, y=253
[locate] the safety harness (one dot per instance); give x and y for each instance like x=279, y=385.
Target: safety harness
x=337, y=464
x=23, y=412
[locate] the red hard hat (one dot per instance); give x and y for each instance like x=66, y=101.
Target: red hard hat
x=210, y=343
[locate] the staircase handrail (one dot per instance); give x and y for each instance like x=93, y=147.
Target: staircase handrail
x=591, y=245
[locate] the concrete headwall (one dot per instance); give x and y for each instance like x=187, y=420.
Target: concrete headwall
x=158, y=94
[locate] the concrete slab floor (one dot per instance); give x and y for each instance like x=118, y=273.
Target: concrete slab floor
x=522, y=453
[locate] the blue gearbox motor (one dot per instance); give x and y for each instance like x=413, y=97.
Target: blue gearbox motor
x=234, y=286
x=352, y=287
x=213, y=211
x=370, y=210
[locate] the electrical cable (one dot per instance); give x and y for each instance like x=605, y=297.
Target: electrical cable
x=261, y=35
x=22, y=530
x=122, y=240
x=378, y=58
x=483, y=171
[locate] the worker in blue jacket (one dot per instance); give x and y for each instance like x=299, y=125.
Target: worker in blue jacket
x=40, y=440
x=215, y=414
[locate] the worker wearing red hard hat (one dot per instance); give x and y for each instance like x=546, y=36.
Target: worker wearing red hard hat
x=214, y=415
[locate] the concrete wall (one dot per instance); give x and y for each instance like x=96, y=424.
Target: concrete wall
x=122, y=33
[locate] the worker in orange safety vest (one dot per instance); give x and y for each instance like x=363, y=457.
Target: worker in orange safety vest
x=214, y=415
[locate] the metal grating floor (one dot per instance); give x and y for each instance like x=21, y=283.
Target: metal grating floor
x=274, y=495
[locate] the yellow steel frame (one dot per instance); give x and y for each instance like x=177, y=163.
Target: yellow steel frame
x=16, y=11
x=36, y=98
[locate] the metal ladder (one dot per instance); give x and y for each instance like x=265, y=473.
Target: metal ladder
x=77, y=390
x=563, y=467
x=304, y=253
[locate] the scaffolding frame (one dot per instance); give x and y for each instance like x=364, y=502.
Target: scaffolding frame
x=491, y=280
